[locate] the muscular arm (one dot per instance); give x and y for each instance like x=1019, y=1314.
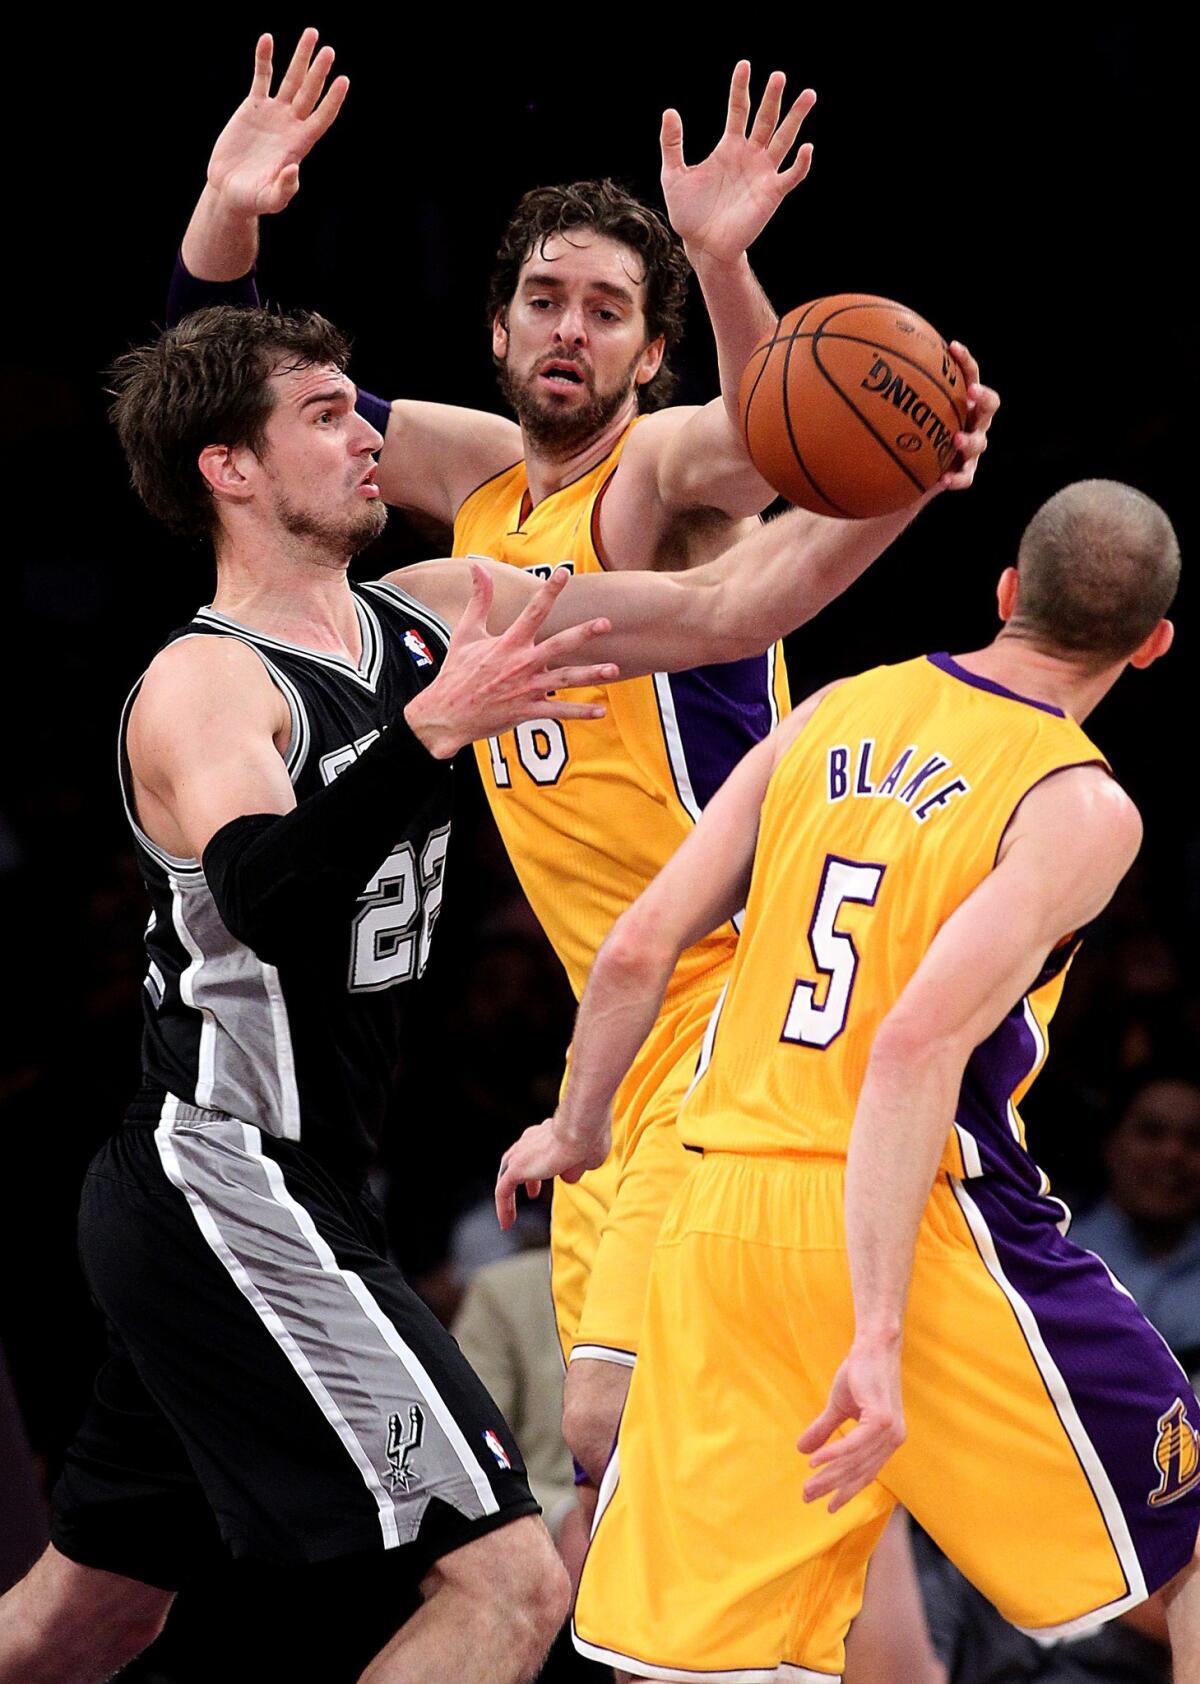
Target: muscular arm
x=783, y=574
x=211, y=784
x=1072, y=841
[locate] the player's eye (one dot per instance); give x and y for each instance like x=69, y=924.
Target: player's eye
x=608, y=315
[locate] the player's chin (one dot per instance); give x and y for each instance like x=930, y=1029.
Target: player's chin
x=370, y=518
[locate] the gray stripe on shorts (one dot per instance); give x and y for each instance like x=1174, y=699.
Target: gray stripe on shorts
x=369, y=1385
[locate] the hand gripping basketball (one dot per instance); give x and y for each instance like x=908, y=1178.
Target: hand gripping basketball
x=856, y=407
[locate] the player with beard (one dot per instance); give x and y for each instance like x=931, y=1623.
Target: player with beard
x=597, y=474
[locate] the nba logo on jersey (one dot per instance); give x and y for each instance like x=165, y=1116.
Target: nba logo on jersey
x=1176, y=1456
x=496, y=1448
x=417, y=648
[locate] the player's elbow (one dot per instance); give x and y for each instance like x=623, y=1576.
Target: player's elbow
x=907, y=1045
x=636, y=954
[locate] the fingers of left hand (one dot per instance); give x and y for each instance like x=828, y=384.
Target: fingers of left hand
x=540, y=604
x=551, y=650
x=570, y=678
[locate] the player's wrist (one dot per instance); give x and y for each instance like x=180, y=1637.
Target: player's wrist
x=708, y=261
x=436, y=734
x=584, y=1138
x=878, y=1335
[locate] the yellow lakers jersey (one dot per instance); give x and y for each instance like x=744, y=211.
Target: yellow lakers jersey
x=886, y=812
x=590, y=810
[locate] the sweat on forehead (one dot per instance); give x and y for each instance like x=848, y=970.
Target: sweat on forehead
x=606, y=256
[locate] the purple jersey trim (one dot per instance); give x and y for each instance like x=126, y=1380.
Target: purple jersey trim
x=994, y=1071
x=722, y=711
x=1117, y=1372
x=947, y=664
x=187, y=292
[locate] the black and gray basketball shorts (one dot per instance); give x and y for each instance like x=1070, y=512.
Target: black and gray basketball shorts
x=269, y=1371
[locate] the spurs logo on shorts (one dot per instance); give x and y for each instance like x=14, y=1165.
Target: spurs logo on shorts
x=402, y=1440
x=1176, y=1455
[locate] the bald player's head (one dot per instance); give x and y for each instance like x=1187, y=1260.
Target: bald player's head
x=1097, y=569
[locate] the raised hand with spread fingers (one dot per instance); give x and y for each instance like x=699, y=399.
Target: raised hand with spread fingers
x=719, y=207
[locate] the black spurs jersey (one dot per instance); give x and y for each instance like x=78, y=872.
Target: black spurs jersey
x=305, y=1051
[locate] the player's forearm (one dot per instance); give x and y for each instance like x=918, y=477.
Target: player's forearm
x=731, y=608
x=221, y=244
x=904, y=1112
x=784, y=574
x=741, y=315
x=619, y=1006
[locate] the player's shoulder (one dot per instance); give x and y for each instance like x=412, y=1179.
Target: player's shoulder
x=197, y=677
x=1080, y=808
x=652, y=434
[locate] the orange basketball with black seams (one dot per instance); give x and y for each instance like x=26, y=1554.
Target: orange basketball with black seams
x=851, y=407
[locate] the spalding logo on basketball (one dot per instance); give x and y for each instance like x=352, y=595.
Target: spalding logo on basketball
x=851, y=407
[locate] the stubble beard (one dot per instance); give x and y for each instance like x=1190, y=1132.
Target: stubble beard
x=338, y=539
x=556, y=435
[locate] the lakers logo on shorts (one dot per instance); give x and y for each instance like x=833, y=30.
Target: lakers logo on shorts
x=1176, y=1455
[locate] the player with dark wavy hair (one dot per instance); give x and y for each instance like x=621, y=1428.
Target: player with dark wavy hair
x=598, y=209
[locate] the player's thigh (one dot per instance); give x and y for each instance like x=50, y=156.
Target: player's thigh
x=705, y=1555
x=1051, y=1449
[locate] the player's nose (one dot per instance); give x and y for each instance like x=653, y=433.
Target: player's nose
x=572, y=326
x=366, y=440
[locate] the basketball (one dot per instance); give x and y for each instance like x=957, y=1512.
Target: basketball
x=851, y=407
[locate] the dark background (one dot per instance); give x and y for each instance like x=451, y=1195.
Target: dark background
x=1019, y=188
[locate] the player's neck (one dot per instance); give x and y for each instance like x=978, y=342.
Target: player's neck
x=293, y=595
x=547, y=472
x=1038, y=676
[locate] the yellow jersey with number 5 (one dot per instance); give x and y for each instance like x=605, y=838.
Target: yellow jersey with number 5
x=881, y=818
x=590, y=810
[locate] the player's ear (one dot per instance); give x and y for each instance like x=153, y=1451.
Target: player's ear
x=1006, y=593
x=500, y=335
x=1159, y=641
x=650, y=361
x=220, y=465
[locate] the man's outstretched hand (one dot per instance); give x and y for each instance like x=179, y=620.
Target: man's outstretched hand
x=255, y=165
x=719, y=207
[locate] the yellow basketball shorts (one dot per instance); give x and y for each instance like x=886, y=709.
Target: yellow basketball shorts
x=1051, y=1450
x=603, y=1227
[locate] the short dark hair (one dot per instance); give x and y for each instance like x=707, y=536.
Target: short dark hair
x=202, y=382
x=1098, y=567
x=604, y=208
